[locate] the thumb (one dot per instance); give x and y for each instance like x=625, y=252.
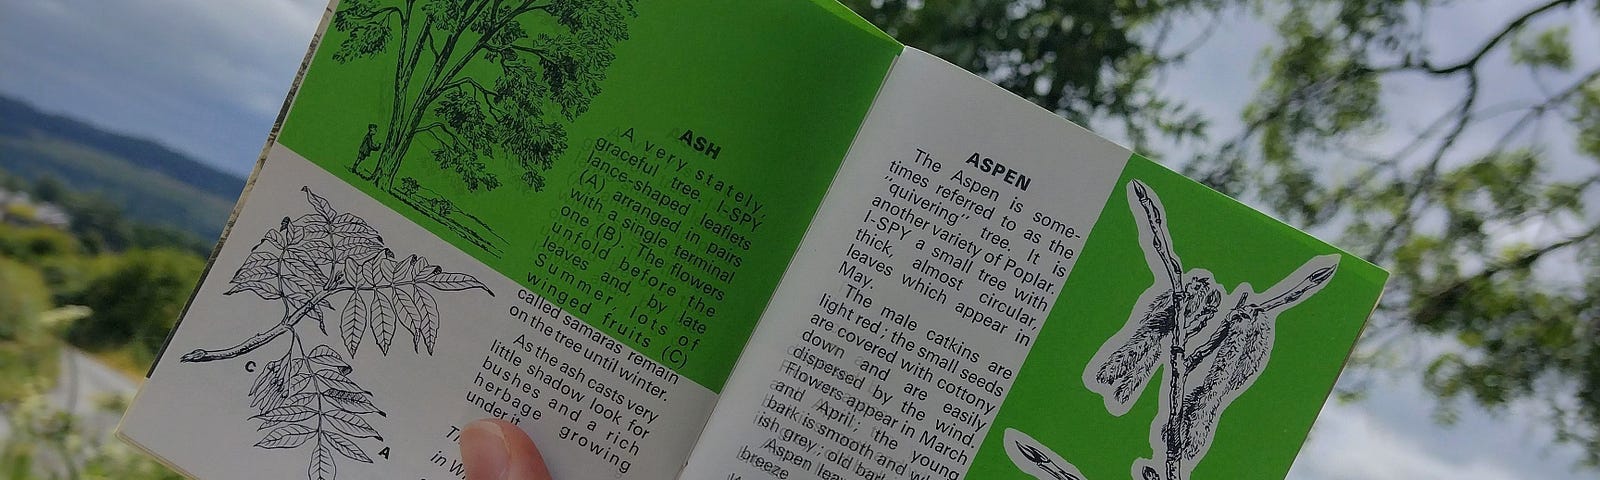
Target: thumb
x=497, y=450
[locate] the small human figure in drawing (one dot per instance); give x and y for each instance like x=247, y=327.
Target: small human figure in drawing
x=369, y=144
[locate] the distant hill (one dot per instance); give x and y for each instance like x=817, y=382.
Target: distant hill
x=152, y=183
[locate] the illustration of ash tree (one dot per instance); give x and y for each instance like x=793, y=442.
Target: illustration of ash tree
x=307, y=264
x=1209, y=360
x=473, y=83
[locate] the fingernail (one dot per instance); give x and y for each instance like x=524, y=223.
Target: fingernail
x=484, y=450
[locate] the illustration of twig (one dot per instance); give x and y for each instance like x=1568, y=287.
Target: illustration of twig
x=1207, y=362
x=1035, y=459
x=307, y=263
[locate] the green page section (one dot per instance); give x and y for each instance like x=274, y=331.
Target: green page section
x=1260, y=432
x=649, y=166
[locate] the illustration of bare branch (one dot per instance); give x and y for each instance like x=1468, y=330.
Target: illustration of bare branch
x=1206, y=362
x=306, y=395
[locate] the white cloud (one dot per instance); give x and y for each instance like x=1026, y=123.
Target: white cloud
x=1351, y=444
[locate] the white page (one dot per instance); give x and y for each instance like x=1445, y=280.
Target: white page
x=199, y=415
x=784, y=415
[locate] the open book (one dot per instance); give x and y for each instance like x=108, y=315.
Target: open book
x=728, y=239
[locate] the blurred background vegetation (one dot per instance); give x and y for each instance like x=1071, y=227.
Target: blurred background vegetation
x=1485, y=210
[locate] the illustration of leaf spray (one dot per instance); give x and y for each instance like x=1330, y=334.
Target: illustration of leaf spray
x=306, y=396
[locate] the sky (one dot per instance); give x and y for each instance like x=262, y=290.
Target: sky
x=203, y=77
x=206, y=77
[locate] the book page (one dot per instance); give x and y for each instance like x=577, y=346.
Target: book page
x=918, y=290
x=988, y=292
x=565, y=214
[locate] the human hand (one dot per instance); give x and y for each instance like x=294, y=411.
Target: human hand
x=495, y=449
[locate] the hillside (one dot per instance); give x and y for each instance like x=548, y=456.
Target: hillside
x=152, y=183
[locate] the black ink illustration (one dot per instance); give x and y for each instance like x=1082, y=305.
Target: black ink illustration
x=477, y=88
x=306, y=395
x=1209, y=359
x=1035, y=459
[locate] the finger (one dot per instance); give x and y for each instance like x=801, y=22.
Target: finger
x=498, y=450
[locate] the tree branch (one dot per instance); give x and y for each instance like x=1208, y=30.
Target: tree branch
x=441, y=127
x=1430, y=173
x=1539, y=110
x=247, y=346
x=1450, y=294
x=1472, y=61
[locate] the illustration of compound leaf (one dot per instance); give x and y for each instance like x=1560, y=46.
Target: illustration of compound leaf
x=287, y=436
x=346, y=447
x=350, y=424
x=321, y=464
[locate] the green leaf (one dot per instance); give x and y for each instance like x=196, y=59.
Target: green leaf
x=1547, y=49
